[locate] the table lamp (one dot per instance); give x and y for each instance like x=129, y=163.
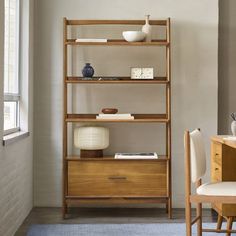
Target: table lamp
x=91, y=141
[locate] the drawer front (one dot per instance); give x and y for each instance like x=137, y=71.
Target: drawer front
x=216, y=162
x=216, y=172
x=217, y=153
x=117, y=178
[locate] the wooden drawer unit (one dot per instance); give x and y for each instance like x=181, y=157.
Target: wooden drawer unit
x=223, y=168
x=117, y=178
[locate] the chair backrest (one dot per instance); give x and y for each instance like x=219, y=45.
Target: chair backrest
x=197, y=155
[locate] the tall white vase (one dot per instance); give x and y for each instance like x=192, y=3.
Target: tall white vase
x=147, y=29
x=233, y=127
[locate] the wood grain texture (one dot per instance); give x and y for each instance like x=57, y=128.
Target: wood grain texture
x=220, y=139
x=106, y=179
x=168, y=111
x=124, y=179
x=111, y=158
x=120, y=80
x=115, y=22
x=118, y=42
x=138, y=118
x=223, y=166
x=64, y=163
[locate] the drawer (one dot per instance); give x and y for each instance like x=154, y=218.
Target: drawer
x=117, y=178
x=216, y=172
x=217, y=153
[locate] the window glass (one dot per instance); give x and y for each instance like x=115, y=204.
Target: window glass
x=10, y=115
x=11, y=61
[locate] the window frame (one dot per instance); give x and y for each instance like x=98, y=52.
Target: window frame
x=14, y=97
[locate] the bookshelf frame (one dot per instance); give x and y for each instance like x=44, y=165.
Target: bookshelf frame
x=139, y=118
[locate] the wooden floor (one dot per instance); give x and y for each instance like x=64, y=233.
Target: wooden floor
x=106, y=215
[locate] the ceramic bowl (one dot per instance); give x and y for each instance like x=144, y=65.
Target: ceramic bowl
x=134, y=36
x=109, y=110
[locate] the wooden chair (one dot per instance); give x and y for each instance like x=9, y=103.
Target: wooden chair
x=195, y=168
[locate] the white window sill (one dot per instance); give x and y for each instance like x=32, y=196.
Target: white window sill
x=14, y=137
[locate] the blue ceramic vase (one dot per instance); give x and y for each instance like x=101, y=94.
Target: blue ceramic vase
x=88, y=71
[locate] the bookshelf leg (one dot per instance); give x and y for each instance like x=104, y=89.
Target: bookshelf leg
x=169, y=208
x=64, y=211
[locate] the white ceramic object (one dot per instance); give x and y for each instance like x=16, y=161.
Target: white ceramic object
x=134, y=36
x=91, y=138
x=147, y=29
x=233, y=128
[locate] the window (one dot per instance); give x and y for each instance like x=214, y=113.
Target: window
x=11, y=67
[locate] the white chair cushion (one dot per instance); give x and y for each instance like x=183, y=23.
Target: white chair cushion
x=218, y=189
x=198, y=155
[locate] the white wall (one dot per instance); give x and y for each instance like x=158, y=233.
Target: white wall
x=16, y=160
x=194, y=87
x=227, y=69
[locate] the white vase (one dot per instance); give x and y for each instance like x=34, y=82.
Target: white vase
x=233, y=127
x=147, y=29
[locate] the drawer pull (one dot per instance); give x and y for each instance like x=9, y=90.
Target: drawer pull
x=117, y=177
x=217, y=154
x=216, y=168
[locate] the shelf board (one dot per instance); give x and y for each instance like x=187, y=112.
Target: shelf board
x=115, y=22
x=120, y=80
x=138, y=118
x=111, y=158
x=118, y=42
x=74, y=200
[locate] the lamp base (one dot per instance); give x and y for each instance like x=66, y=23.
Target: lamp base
x=91, y=153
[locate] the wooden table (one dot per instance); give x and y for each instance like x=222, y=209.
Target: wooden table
x=223, y=168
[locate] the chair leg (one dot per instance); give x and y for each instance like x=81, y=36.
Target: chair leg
x=188, y=219
x=199, y=222
x=229, y=225
x=219, y=222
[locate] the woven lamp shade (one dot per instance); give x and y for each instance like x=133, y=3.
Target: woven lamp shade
x=91, y=138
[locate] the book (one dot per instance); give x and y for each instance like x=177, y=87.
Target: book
x=91, y=40
x=115, y=116
x=139, y=155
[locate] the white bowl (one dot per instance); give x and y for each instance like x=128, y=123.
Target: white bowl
x=134, y=36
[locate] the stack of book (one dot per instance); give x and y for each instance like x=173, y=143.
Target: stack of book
x=114, y=117
x=139, y=155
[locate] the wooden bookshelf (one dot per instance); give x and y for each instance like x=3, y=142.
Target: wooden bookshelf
x=107, y=180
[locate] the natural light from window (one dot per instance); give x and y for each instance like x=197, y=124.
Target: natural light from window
x=11, y=70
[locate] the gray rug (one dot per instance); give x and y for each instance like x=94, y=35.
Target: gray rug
x=171, y=229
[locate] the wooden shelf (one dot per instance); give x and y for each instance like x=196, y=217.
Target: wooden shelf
x=111, y=158
x=75, y=201
x=120, y=80
x=118, y=42
x=115, y=22
x=138, y=118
